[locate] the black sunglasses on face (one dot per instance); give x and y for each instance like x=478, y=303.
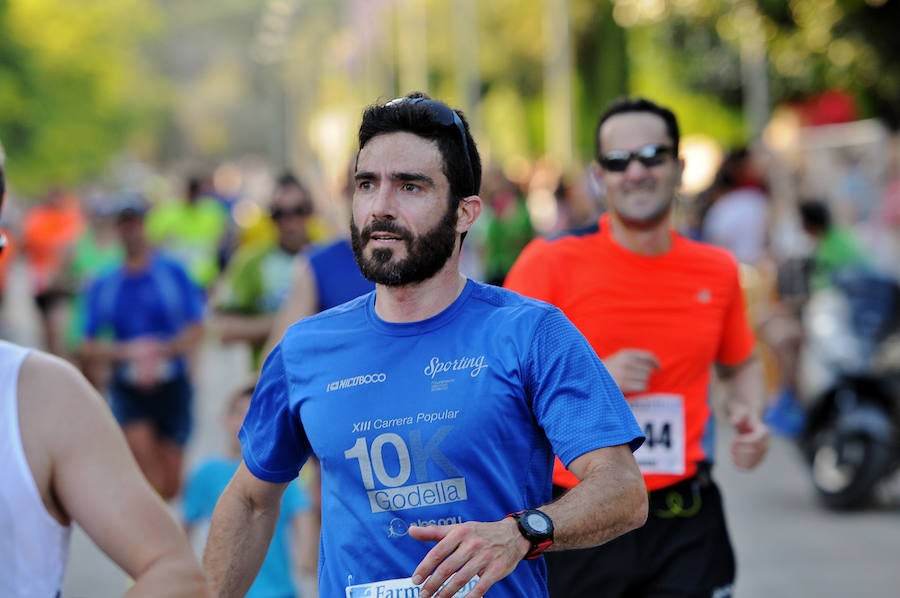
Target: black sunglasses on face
x=648, y=156
x=280, y=213
x=443, y=114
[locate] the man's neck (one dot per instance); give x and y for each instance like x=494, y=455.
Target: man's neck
x=651, y=241
x=138, y=260
x=420, y=301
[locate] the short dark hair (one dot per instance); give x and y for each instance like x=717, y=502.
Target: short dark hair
x=417, y=118
x=287, y=179
x=815, y=214
x=628, y=104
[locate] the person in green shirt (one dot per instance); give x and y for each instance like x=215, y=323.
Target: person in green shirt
x=96, y=251
x=191, y=231
x=836, y=248
x=258, y=278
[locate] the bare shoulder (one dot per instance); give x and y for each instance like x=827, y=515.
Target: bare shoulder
x=55, y=402
x=51, y=380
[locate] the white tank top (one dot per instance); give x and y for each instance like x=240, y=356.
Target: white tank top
x=34, y=547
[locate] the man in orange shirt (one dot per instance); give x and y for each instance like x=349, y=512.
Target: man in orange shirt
x=49, y=233
x=660, y=311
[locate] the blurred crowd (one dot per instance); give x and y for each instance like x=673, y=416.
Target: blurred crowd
x=128, y=284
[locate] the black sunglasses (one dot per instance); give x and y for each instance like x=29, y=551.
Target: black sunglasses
x=279, y=213
x=444, y=115
x=648, y=156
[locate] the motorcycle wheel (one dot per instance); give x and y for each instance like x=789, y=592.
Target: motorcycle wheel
x=846, y=467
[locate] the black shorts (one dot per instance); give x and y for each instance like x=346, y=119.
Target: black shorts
x=682, y=552
x=47, y=300
x=168, y=407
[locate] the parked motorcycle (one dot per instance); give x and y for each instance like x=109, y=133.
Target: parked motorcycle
x=850, y=376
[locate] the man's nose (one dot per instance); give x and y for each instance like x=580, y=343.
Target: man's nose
x=384, y=202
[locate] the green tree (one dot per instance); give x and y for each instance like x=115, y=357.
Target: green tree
x=74, y=90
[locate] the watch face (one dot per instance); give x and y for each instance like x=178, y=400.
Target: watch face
x=539, y=524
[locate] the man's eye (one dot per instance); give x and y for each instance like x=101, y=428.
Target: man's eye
x=365, y=185
x=410, y=187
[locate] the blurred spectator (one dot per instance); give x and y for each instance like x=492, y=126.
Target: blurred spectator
x=856, y=193
x=736, y=211
x=192, y=230
x=285, y=567
x=48, y=233
x=258, y=278
x=509, y=227
x=886, y=241
x=144, y=319
x=835, y=248
x=97, y=250
x=324, y=276
x=579, y=201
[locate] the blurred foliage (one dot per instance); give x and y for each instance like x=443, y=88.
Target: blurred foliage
x=74, y=88
x=186, y=85
x=811, y=46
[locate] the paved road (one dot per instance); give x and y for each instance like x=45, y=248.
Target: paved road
x=787, y=545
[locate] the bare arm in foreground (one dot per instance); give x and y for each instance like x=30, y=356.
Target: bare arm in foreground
x=85, y=473
x=610, y=500
x=240, y=532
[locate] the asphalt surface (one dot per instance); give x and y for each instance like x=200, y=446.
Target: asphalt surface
x=787, y=545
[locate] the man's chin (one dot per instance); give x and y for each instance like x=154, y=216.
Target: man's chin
x=645, y=220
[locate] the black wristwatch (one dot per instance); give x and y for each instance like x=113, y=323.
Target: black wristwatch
x=537, y=528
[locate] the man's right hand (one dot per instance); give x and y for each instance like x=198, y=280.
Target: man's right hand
x=631, y=369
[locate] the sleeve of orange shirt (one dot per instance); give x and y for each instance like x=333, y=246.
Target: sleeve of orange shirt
x=530, y=274
x=737, y=342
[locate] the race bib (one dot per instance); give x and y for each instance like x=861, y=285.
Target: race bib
x=396, y=588
x=661, y=417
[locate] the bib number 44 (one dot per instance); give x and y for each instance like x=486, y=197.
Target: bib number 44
x=661, y=416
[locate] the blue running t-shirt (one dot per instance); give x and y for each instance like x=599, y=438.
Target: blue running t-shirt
x=455, y=418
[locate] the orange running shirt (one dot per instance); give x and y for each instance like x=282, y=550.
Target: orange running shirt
x=47, y=234
x=686, y=307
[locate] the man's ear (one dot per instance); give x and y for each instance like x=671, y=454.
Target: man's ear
x=597, y=173
x=467, y=213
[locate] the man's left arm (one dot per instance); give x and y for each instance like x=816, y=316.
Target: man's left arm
x=745, y=401
x=185, y=342
x=610, y=500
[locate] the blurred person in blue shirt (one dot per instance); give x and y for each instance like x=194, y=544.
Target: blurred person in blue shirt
x=284, y=569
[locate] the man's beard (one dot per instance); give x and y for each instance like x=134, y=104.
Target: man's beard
x=425, y=254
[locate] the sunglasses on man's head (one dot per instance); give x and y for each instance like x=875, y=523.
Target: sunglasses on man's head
x=443, y=114
x=280, y=213
x=648, y=156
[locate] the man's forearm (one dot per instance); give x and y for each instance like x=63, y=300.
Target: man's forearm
x=102, y=350
x=175, y=575
x=250, y=329
x=238, y=540
x=745, y=387
x=607, y=503
x=186, y=341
